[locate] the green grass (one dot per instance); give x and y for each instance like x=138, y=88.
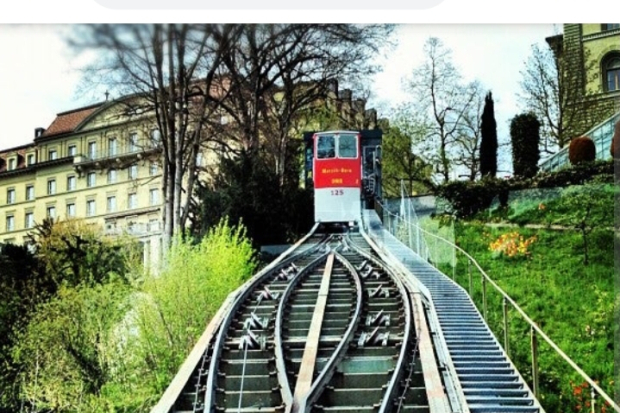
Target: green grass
x=571, y=302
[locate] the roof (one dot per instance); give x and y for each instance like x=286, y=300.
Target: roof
x=19, y=149
x=68, y=121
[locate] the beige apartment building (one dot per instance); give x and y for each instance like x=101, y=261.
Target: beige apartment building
x=595, y=50
x=92, y=163
x=100, y=164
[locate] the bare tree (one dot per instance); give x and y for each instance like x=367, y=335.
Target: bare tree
x=554, y=86
x=441, y=101
x=169, y=71
x=278, y=71
x=468, y=136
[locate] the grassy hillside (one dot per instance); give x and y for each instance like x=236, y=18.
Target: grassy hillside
x=546, y=273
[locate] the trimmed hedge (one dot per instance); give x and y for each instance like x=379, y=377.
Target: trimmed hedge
x=581, y=150
x=525, y=136
x=467, y=198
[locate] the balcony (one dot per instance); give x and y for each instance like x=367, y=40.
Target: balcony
x=119, y=160
x=138, y=229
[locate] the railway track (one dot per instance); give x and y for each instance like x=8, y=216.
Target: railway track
x=328, y=329
x=331, y=327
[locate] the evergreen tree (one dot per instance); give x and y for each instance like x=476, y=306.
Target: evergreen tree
x=525, y=136
x=488, y=144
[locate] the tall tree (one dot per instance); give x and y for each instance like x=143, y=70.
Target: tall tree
x=554, y=87
x=468, y=136
x=400, y=163
x=441, y=101
x=278, y=71
x=171, y=70
x=488, y=143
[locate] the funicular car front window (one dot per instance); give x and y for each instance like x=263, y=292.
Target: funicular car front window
x=347, y=146
x=326, y=147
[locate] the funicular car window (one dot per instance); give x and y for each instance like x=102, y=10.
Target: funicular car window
x=347, y=146
x=326, y=147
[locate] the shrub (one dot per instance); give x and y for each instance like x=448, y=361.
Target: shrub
x=467, y=198
x=581, y=150
x=172, y=309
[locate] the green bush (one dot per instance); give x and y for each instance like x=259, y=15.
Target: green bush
x=467, y=198
x=173, y=308
x=64, y=353
x=115, y=345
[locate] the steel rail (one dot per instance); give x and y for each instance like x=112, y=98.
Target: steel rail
x=340, y=351
x=405, y=347
x=285, y=386
x=225, y=325
x=311, y=348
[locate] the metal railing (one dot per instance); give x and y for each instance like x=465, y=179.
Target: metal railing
x=105, y=155
x=135, y=229
x=601, y=134
x=407, y=231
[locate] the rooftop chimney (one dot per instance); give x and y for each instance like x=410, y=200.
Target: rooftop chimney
x=346, y=95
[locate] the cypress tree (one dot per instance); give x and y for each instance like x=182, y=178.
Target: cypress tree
x=488, y=143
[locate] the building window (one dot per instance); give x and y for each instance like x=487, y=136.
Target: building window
x=154, y=196
x=609, y=26
x=29, y=220
x=132, y=201
x=133, y=142
x=92, y=149
x=91, y=179
x=10, y=223
x=153, y=169
x=10, y=196
x=90, y=207
x=30, y=159
x=71, y=183
x=112, y=147
x=72, y=150
x=52, y=155
x=133, y=171
x=153, y=225
x=156, y=137
x=611, y=67
x=51, y=187
x=111, y=176
x=111, y=203
x=51, y=212
x=29, y=192
x=11, y=164
x=71, y=210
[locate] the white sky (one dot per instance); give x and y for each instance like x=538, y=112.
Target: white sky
x=38, y=75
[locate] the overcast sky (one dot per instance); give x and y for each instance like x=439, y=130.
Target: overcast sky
x=39, y=75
